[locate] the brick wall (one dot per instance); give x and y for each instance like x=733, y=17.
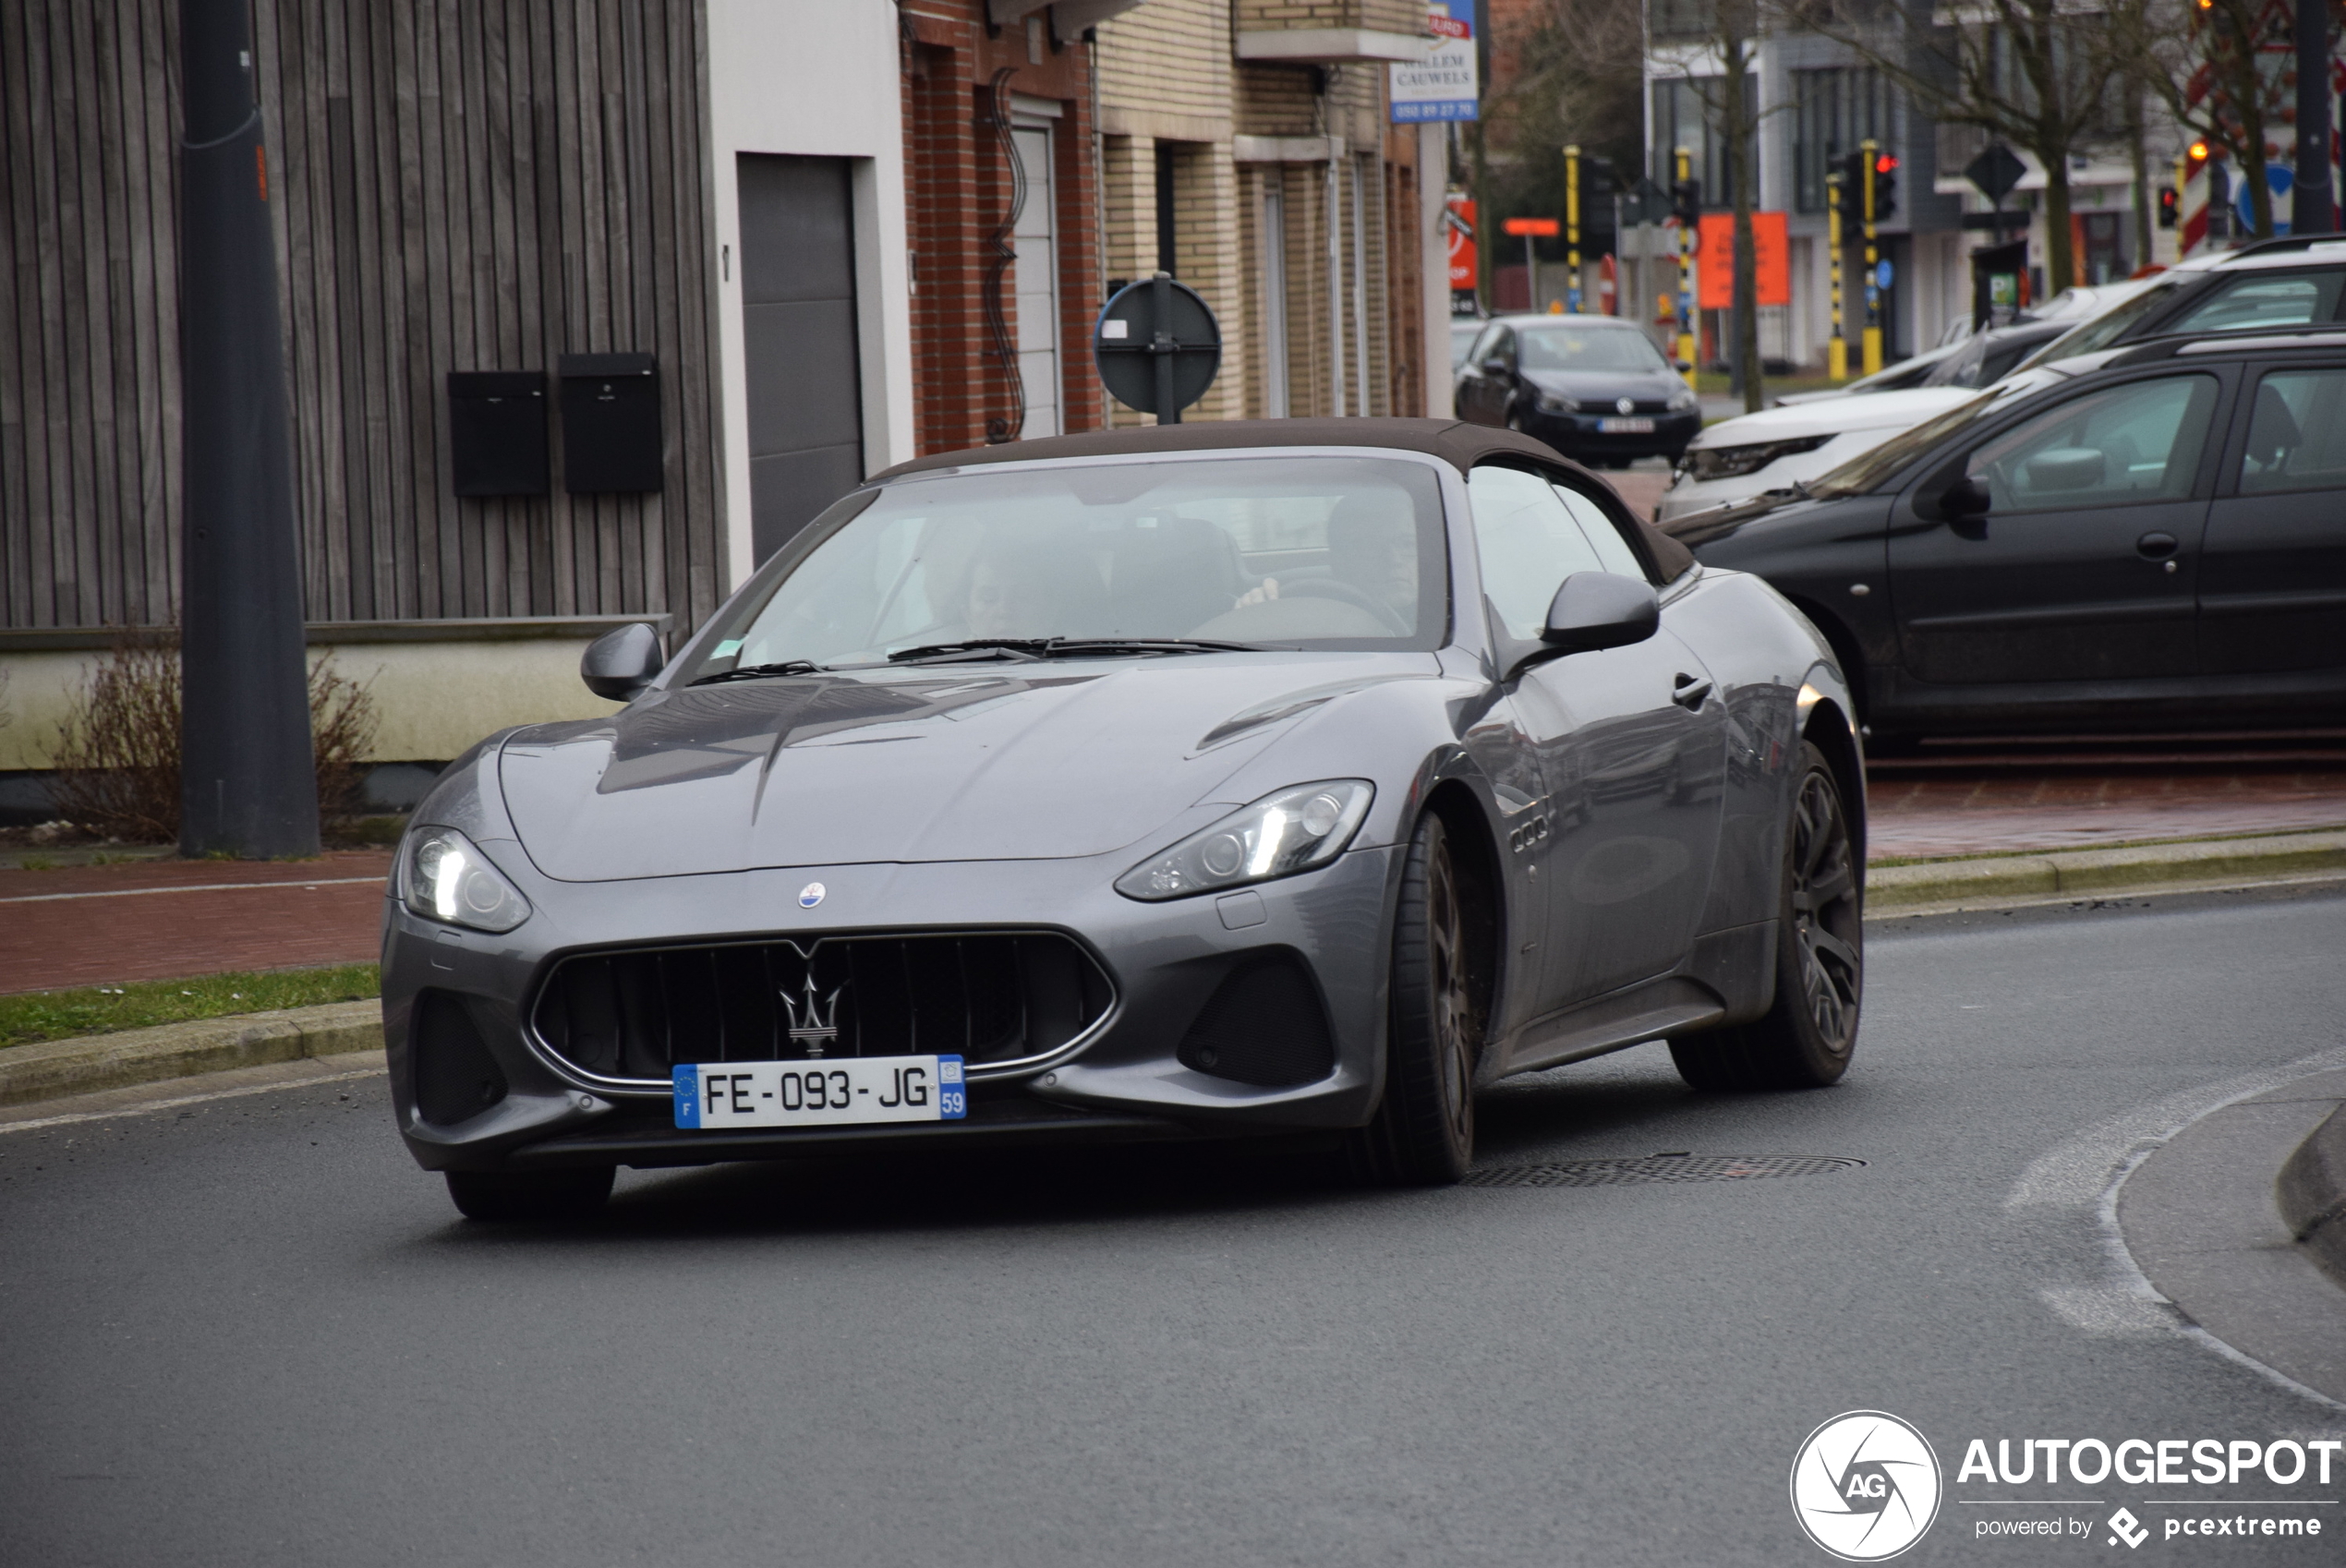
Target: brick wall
x=960, y=192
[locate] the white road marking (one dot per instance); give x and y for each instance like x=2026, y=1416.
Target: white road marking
x=144, y=1107
x=191, y=888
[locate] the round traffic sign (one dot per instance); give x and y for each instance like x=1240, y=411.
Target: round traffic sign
x=1883, y=273
x=1157, y=347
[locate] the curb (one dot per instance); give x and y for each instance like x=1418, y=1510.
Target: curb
x=85, y=1066
x=2312, y=1191
x=60, y=1067
x=2198, y=863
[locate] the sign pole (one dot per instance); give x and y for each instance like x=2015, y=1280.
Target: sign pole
x=1872, y=149
x=1572, y=227
x=1837, y=350
x=1685, y=274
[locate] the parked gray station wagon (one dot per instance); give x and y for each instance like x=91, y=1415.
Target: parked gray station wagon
x=1284, y=779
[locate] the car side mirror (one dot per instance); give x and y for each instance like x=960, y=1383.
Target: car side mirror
x=1598, y=609
x=1680, y=365
x=1966, y=498
x=1494, y=366
x=619, y=664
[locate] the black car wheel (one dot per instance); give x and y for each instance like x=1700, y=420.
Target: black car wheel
x=1804, y=1039
x=532, y=1197
x=1423, y=1133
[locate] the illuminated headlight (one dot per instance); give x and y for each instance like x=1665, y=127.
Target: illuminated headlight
x=1277, y=836
x=1733, y=461
x=1682, y=400
x=1549, y=402
x=447, y=878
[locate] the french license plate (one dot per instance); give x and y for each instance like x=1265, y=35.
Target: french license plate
x=1626, y=427
x=821, y=1093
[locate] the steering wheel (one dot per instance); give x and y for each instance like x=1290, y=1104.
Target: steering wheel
x=1329, y=588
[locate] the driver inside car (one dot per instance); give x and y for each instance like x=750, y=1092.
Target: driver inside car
x=1373, y=548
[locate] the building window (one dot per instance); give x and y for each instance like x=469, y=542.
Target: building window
x=1686, y=114
x=1835, y=111
x=1168, y=249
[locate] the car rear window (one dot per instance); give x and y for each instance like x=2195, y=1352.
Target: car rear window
x=2258, y=300
x=1292, y=552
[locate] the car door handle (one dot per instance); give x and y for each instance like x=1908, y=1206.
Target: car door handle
x=1691, y=691
x=2156, y=547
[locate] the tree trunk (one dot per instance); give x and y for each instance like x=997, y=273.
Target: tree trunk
x=2252, y=169
x=1746, y=275
x=2138, y=154
x=2061, y=259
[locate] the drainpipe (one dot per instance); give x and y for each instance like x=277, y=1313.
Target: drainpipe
x=1359, y=286
x=1336, y=278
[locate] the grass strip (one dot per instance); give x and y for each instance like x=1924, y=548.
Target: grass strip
x=35, y=1016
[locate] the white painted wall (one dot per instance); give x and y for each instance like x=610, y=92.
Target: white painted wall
x=816, y=80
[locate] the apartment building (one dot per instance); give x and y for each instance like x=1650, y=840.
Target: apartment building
x=1246, y=150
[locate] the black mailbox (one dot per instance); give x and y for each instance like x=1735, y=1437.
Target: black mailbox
x=497, y=432
x=611, y=423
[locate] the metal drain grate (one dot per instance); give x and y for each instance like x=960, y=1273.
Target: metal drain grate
x=1656, y=1167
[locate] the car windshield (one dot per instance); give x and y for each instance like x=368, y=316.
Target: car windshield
x=1288, y=552
x=1587, y=348
x=2110, y=325
x=1865, y=470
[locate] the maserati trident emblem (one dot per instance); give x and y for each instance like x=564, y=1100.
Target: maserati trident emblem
x=810, y=895
x=813, y=1020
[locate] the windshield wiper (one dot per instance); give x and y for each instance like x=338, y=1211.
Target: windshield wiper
x=1022, y=648
x=1062, y=648
x=761, y=672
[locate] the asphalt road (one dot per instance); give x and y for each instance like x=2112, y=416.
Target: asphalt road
x=248, y=1331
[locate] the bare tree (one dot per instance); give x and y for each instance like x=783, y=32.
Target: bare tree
x=2035, y=73
x=2202, y=61
x=1731, y=36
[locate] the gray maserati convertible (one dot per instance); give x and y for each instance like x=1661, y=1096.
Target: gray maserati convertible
x=1269, y=779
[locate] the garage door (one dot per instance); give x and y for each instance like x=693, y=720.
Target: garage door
x=798, y=327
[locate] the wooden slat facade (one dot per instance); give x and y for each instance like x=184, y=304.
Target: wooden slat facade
x=458, y=185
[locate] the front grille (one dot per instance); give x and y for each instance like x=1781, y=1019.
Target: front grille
x=988, y=997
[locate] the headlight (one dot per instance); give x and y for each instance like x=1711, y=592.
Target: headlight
x=1277, y=836
x=447, y=878
x=1732, y=462
x=1551, y=404
x=1682, y=400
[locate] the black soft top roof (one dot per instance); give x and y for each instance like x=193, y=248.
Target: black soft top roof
x=1452, y=440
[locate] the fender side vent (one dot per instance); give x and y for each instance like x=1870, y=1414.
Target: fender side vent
x=1264, y=1025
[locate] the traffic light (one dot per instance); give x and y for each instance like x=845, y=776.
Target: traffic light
x=1849, y=171
x=1885, y=186
x=1686, y=202
x=1598, y=177
x=2170, y=207
x=2197, y=153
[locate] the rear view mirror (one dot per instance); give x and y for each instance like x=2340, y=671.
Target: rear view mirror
x=619, y=664
x=1966, y=498
x=1598, y=609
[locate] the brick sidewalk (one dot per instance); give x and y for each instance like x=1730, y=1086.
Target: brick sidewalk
x=165, y=920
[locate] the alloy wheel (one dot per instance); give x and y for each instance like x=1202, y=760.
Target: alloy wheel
x=1454, y=1023
x=1825, y=914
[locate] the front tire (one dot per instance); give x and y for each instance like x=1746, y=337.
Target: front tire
x=531, y=1198
x=1805, y=1038
x=1423, y=1132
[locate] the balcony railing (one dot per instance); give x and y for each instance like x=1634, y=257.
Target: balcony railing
x=1329, y=31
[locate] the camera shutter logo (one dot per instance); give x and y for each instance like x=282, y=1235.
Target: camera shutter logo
x=1864, y=1486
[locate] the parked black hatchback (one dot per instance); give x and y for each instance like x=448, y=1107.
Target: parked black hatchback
x=2159, y=542
x=1592, y=386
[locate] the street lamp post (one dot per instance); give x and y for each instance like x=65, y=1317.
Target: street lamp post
x=248, y=785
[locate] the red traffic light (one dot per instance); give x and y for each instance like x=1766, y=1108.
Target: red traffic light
x=1885, y=165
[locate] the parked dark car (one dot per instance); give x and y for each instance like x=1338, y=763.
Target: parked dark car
x=1988, y=357
x=1592, y=386
x=1284, y=779
x=2158, y=542
x=2276, y=286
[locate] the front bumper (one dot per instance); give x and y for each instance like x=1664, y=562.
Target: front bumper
x=1123, y=1079
x=1582, y=435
